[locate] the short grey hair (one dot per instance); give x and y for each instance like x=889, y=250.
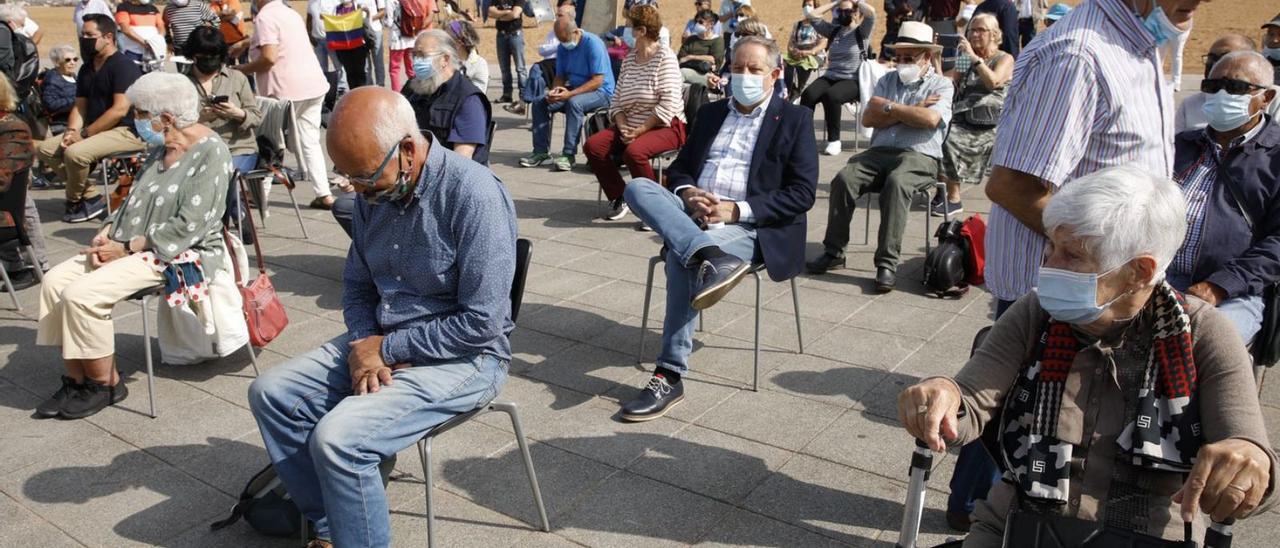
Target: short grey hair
x=1253, y=63
x=1120, y=213
x=55, y=54
x=166, y=93
x=12, y=13
x=771, y=48
x=391, y=127
x=444, y=44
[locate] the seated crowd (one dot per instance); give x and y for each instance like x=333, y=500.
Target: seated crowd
x=1124, y=257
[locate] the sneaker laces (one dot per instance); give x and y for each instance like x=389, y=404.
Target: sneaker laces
x=658, y=385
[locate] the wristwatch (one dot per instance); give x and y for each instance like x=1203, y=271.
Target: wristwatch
x=888, y=108
x=84, y=133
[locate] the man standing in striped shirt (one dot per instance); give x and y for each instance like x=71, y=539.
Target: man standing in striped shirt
x=1087, y=94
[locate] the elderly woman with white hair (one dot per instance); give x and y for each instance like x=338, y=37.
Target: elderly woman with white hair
x=1123, y=409
x=168, y=231
x=58, y=87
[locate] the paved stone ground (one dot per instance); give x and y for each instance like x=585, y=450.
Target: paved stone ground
x=815, y=458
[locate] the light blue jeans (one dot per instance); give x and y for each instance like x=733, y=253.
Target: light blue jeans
x=664, y=212
x=1245, y=312
x=511, y=52
x=326, y=443
x=574, y=110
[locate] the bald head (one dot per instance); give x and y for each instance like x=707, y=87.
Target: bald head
x=565, y=29
x=1232, y=42
x=1248, y=66
x=367, y=123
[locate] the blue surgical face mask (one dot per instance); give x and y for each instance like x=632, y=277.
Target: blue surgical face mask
x=699, y=29
x=748, y=89
x=808, y=10
x=1226, y=112
x=629, y=37
x=1272, y=53
x=1072, y=297
x=1160, y=27
x=423, y=67
x=147, y=133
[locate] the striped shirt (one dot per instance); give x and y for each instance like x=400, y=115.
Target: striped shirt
x=1087, y=94
x=654, y=88
x=181, y=20
x=1197, y=181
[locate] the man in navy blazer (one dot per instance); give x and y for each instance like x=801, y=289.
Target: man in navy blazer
x=741, y=187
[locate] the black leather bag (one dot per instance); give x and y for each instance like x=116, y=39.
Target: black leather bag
x=944, y=266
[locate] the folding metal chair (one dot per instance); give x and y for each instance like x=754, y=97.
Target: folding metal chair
x=756, y=269
x=112, y=167
x=928, y=215
x=280, y=136
x=13, y=203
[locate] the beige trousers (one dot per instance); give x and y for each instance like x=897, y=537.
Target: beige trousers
x=76, y=303
x=76, y=161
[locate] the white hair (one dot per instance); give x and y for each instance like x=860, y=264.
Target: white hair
x=1253, y=63
x=390, y=127
x=55, y=54
x=12, y=13
x=1120, y=213
x=166, y=93
x=444, y=44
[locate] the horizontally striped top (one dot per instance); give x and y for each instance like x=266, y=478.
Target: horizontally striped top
x=1087, y=94
x=654, y=88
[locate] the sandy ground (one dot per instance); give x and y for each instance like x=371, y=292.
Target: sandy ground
x=1213, y=19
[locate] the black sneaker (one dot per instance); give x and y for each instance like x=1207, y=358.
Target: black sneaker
x=617, y=210
x=502, y=100
x=658, y=397
x=21, y=279
x=945, y=208
x=825, y=263
x=49, y=408
x=92, y=396
x=715, y=278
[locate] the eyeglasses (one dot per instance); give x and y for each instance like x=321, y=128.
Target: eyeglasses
x=370, y=181
x=71, y=60
x=425, y=56
x=903, y=58
x=1231, y=85
x=1210, y=59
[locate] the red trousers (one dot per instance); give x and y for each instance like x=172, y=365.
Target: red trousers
x=600, y=148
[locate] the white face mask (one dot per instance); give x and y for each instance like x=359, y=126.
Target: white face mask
x=910, y=74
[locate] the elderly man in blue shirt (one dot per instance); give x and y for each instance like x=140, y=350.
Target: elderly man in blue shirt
x=583, y=84
x=426, y=300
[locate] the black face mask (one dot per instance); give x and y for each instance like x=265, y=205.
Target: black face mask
x=88, y=49
x=208, y=65
x=843, y=18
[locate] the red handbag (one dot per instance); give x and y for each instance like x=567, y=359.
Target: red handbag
x=263, y=312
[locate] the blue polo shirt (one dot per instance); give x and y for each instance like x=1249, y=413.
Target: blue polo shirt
x=582, y=63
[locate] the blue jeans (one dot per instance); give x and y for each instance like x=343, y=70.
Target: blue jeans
x=976, y=472
x=1245, y=311
x=243, y=163
x=379, y=69
x=574, y=110
x=664, y=212
x=326, y=444
x=511, y=49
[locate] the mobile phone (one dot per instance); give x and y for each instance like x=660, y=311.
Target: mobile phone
x=950, y=44
x=216, y=99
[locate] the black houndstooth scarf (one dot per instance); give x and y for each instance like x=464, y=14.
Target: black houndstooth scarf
x=1165, y=434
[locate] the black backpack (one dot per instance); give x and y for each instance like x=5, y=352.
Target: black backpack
x=26, y=64
x=944, y=266
x=266, y=506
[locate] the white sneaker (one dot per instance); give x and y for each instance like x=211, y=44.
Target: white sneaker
x=833, y=148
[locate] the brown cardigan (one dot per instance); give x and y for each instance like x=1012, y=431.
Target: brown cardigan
x=1095, y=410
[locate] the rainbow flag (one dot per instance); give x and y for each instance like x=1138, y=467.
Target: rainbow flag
x=344, y=32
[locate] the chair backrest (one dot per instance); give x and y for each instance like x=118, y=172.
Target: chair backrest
x=524, y=252
x=13, y=204
x=493, y=128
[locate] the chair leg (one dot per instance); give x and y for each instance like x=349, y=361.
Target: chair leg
x=35, y=264
x=866, y=213
x=298, y=212
x=510, y=410
x=755, y=367
x=700, y=316
x=13, y=294
x=928, y=229
x=424, y=456
x=795, y=300
x=106, y=184
x=146, y=351
x=253, y=358
x=644, y=314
